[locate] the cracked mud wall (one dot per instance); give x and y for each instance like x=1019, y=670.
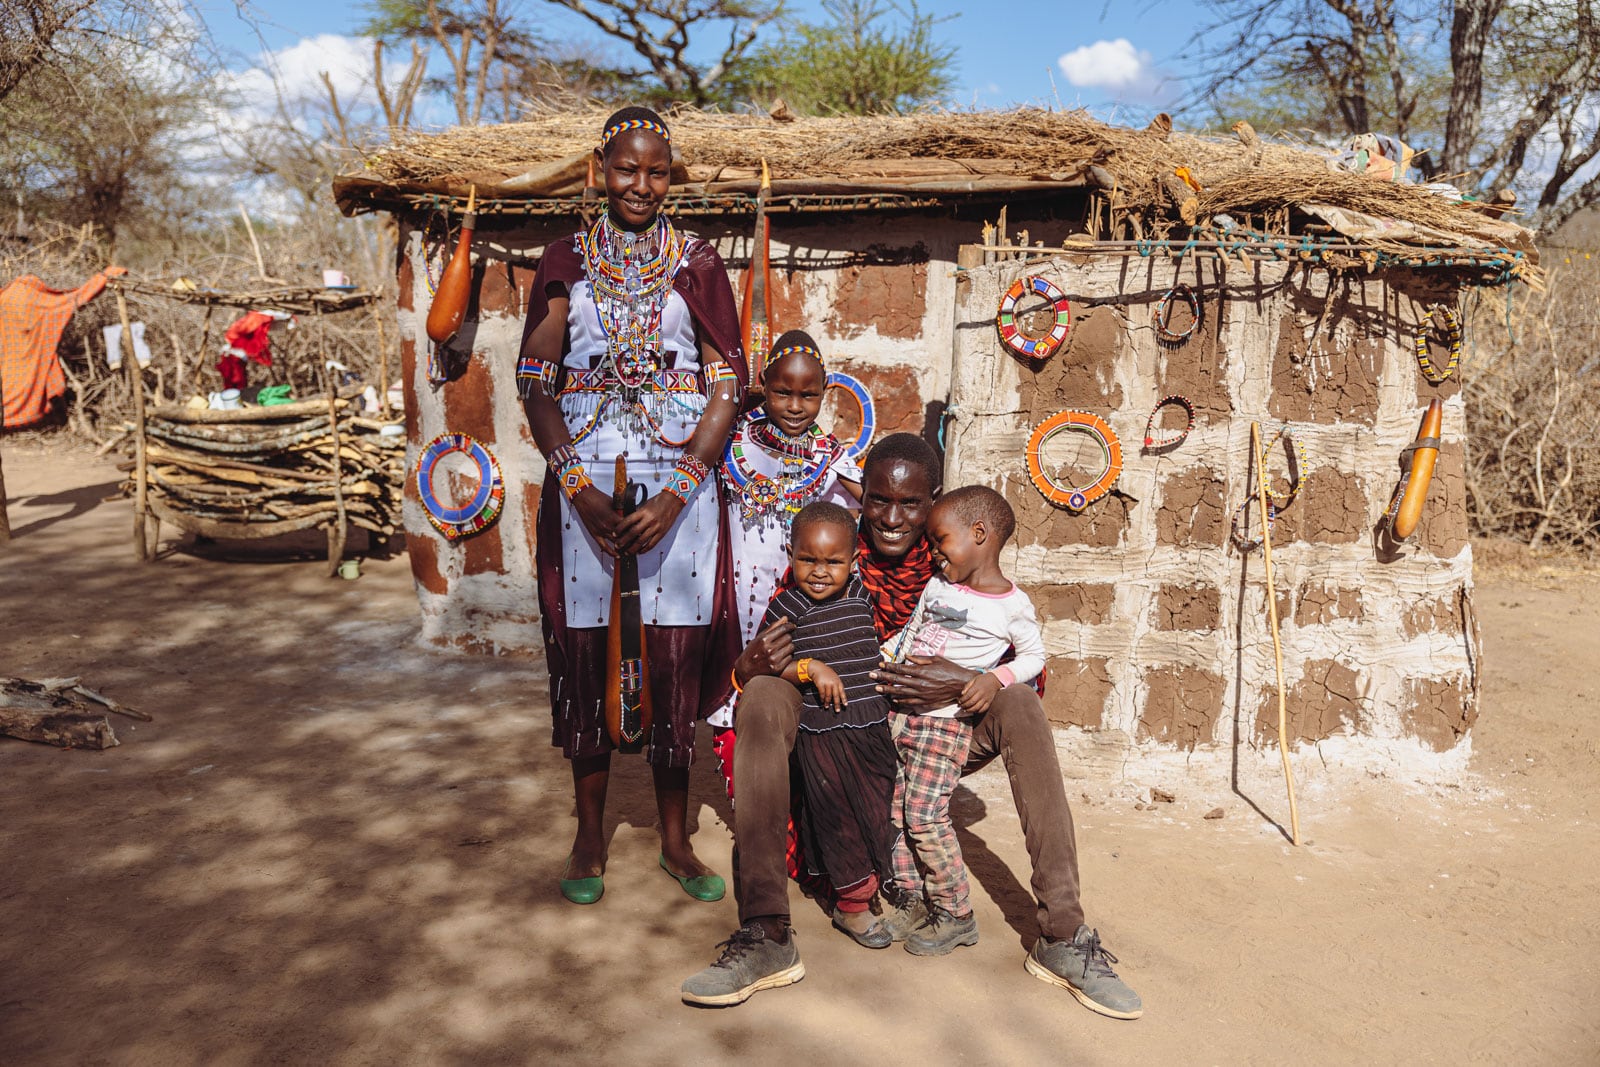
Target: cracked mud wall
x=1378, y=642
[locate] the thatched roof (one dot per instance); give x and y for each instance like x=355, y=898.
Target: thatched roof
x=539, y=167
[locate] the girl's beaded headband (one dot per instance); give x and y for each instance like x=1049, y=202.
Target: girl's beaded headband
x=796, y=350
x=634, y=124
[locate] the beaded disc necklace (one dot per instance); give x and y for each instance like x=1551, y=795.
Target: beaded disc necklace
x=631, y=275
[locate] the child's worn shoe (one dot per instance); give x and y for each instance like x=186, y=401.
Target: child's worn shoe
x=942, y=933
x=1082, y=967
x=863, y=927
x=904, y=913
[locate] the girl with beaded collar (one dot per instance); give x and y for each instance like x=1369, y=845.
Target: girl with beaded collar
x=631, y=347
x=777, y=461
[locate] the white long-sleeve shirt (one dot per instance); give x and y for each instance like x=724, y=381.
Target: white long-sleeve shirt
x=973, y=630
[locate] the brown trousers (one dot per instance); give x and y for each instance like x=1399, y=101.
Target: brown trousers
x=1015, y=730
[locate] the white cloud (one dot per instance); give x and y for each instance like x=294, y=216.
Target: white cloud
x=295, y=72
x=1114, y=65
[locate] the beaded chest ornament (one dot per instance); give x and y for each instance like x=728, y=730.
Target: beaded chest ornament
x=1040, y=348
x=1075, y=498
x=487, y=500
x=631, y=275
x=804, y=458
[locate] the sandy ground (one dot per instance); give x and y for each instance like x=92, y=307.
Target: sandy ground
x=334, y=847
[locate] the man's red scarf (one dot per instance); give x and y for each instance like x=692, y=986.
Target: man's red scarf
x=895, y=585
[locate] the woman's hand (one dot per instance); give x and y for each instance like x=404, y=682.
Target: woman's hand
x=830, y=690
x=599, y=518
x=923, y=682
x=769, y=653
x=644, y=529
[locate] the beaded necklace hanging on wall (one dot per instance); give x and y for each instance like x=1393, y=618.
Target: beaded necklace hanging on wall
x=630, y=275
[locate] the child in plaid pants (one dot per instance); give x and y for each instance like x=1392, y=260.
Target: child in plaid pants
x=971, y=615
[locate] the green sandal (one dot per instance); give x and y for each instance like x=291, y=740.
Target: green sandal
x=706, y=887
x=582, y=890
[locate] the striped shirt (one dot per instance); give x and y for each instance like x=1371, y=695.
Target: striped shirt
x=839, y=632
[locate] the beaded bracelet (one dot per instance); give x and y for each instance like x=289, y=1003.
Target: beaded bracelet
x=1244, y=542
x=802, y=670
x=687, y=476
x=565, y=465
x=1163, y=320
x=733, y=677
x=1452, y=324
x=1298, y=467
x=716, y=373
x=1151, y=441
x=531, y=371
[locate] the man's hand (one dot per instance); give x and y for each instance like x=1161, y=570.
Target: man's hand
x=923, y=681
x=769, y=652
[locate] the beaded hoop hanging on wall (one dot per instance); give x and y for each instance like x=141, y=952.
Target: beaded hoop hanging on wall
x=1075, y=498
x=869, y=418
x=1452, y=324
x=1163, y=318
x=1167, y=441
x=1040, y=348
x=487, y=500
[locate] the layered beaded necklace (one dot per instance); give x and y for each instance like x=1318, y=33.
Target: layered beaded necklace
x=631, y=275
x=805, y=459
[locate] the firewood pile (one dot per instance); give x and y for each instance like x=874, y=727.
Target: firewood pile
x=262, y=471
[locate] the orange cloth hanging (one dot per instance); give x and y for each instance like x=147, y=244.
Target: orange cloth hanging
x=32, y=317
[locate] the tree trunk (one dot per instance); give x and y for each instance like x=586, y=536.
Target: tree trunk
x=1469, y=37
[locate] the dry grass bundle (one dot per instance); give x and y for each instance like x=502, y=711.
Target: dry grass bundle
x=1028, y=143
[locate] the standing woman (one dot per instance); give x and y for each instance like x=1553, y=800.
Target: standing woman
x=632, y=348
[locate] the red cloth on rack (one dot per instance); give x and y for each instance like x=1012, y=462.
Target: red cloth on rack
x=32, y=316
x=233, y=372
x=249, y=337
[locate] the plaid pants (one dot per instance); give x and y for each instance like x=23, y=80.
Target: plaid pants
x=932, y=754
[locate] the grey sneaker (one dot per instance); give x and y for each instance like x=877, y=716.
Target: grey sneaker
x=905, y=912
x=863, y=927
x=1082, y=967
x=750, y=962
x=942, y=933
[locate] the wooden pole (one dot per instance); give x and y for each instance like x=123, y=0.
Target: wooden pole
x=130, y=364
x=5, y=520
x=1272, y=614
x=336, y=533
x=249, y=228
x=383, y=361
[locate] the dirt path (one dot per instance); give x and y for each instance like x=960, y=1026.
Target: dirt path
x=333, y=847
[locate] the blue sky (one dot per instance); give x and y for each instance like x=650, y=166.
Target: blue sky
x=1107, y=57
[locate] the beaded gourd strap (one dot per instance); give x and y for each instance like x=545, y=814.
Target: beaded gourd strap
x=687, y=476
x=1452, y=324
x=1163, y=318
x=569, y=470
x=1151, y=441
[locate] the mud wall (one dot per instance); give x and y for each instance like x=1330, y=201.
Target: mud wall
x=877, y=294
x=1157, y=623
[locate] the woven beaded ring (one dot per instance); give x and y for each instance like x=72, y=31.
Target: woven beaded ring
x=482, y=509
x=1005, y=319
x=1452, y=324
x=1299, y=467
x=1163, y=320
x=1153, y=443
x=869, y=419
x=1075, y=498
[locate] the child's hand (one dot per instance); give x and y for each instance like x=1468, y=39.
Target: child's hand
x=979, y=693
x=829, y=688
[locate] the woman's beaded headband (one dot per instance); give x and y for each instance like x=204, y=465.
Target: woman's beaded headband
x=630, y=125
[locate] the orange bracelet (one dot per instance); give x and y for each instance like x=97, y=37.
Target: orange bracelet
x=733, y=676
x=802, y=668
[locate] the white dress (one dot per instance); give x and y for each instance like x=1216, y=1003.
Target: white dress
x=676, y=578
x=759, y=536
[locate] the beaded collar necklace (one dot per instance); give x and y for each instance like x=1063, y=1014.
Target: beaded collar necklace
x=800, y=446
x=805, y=458
x=631, y=276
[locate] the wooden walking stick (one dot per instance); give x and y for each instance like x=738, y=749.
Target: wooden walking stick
x=1272, y=614
x=628, y=707
x=754, y=327
x=141, y=475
